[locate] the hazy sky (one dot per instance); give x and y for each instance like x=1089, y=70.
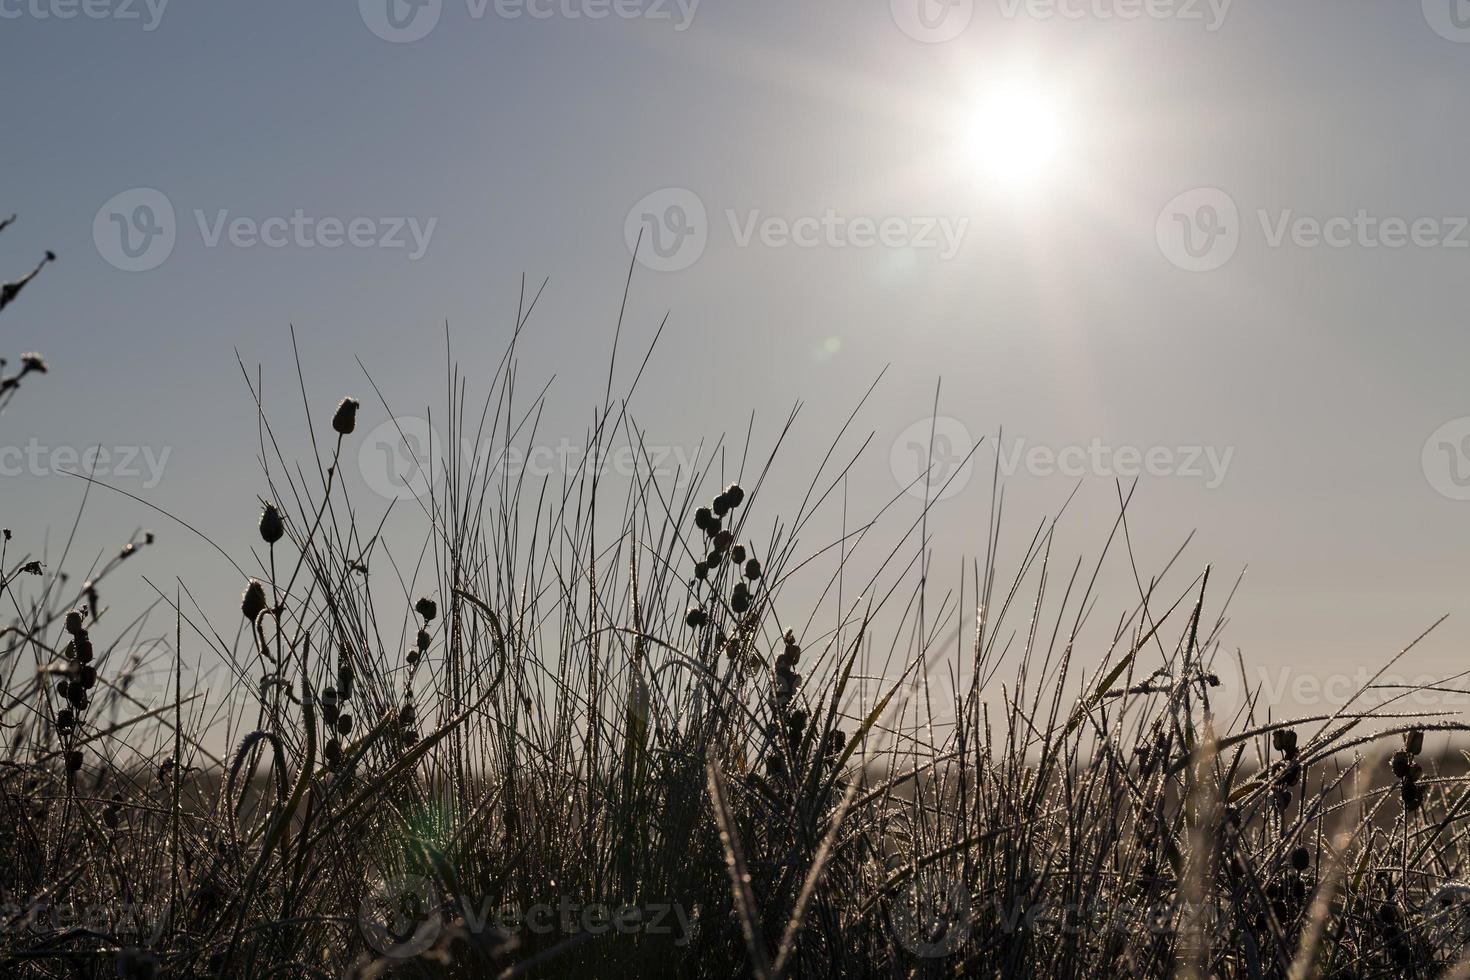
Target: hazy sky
x=1281, y=350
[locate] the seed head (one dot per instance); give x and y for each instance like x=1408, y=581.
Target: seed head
x=702, y=517
x=426, y=608
x=74, y=760
x=1414, y=741
x=721, y=505
x=734, y=494
x=344, y=724
x=753, y=569
x=701, y=570
x=1301, y=859
x=74, y=622
x=695, y=617
x=271, y=525
x=252, y=603
x=345, y=419
x=737, y=554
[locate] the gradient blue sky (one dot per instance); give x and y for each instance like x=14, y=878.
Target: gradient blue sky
x=1059, y=318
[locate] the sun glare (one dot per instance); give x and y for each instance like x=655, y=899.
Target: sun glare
x=1016, y=135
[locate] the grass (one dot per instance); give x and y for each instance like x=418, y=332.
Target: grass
x=578, y=735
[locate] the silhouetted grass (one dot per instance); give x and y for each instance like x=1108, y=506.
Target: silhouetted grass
x=574, y=698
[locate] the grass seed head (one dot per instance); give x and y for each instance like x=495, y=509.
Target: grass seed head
x=272, y=528
x=253, y=602
x=345, y=418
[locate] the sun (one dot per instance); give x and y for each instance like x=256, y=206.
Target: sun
x=1015, y=134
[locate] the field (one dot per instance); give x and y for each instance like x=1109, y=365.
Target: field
x=588, y=735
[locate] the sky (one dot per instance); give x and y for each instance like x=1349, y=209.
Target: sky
x=1217, y=246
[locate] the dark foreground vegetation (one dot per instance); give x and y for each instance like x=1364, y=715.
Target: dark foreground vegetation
x=587, y=734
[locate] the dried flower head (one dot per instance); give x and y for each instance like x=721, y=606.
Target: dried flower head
x=253, y=602
x=272, y=528
x=345, y=418
x=426, y=608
